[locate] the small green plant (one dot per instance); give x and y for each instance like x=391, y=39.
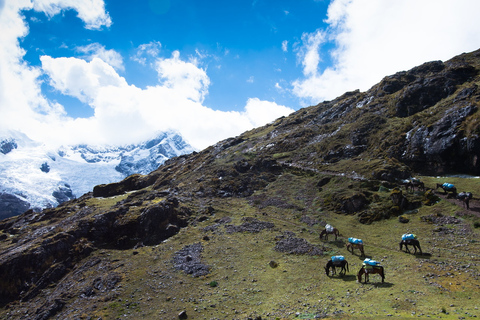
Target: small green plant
x=213, y=284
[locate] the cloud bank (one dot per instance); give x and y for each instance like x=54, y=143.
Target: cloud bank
x=123, y=113
x=375, y=38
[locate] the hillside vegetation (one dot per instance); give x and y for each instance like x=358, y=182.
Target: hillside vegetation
x=232, y=232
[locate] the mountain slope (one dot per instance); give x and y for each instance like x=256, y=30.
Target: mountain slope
x=33, y=176
x=232, y=231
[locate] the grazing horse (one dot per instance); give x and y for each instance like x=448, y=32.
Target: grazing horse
x=351, y=246
x=325, y=233
x=340, y=264
x=414, y=183
x=465, y=197
x=447, y=188
x=411, y=242
x=367, y=270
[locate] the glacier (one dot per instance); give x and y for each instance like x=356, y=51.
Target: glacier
x=34, y=176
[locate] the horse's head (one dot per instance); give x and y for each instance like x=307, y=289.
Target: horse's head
x=327, y=267
x=360, y=273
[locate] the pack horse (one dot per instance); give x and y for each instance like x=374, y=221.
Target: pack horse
x=336, y=262
x=329, y=230
x=409, y=239
x=370, y=267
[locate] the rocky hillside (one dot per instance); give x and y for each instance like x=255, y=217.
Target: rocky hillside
x=233, y=231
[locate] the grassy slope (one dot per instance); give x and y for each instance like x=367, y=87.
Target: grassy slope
x=444, y=283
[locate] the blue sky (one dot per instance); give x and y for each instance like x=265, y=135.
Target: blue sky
x=116, y=72
x=239, y=43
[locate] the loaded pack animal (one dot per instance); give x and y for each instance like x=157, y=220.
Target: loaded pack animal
x=326, y=232
x=447, y=187
x=367, y=270
x=414, y=183
x=465, y=197
x=411, y=242
x=343, y=264
x=355, y=244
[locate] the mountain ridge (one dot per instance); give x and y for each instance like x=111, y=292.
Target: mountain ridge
x=246, y=213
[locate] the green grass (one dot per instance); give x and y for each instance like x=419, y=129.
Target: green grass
x=442, y=284
x=298, y=288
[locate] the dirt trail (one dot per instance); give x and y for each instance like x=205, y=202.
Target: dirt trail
x=474, y=205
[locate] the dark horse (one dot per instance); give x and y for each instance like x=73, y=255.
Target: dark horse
x=465, y=197
x=446, y=189
x=368, y=270
x=411, y=242
x=326, y=233
x=359, y=246
x=414, y=183
x=339, y=264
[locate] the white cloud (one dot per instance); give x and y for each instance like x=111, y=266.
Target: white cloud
x=375, y=38
x=147, y=51
x=285, y=46
x=310, y=52
x=184, y=77
x=126, y=114
x=96, y=50
x=80, y=79
x=21, y=101
x=261, y=112
x=92, y=12
x=251, y=79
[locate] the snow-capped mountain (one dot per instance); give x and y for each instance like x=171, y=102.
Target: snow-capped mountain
x=35, y=177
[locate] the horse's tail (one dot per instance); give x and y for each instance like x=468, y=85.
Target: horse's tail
x=346, y=263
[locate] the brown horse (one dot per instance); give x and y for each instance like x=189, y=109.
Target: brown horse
x=359, y=246
x=447, y=189
x=411, y=184
x=340, y=264
x=368, y=270
x=465, y=197
x=325, y=233
x=411, y=242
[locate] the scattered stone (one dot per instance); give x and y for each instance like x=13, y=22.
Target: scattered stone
x=188, y=260
x=273, y=264
x=293, y=245
x=183, y=315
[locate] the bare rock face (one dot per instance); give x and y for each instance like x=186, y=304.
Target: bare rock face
x=7, y=145
x=48, y=253
x=11, y=205
x=442, y=147
x=430, y=83
x=130, y=183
